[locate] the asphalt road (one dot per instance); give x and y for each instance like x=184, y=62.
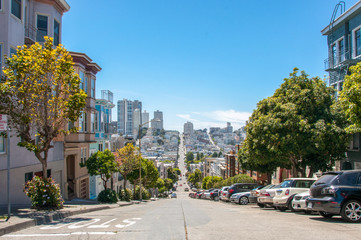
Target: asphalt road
x=186, y=218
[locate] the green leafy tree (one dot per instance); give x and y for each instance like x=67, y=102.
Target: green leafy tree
x=350, y=99
x=198, y=156
x=168, y=183
x=160, y=183
x=190, y=156
x=150, y=174
x=298, y=127
x=127, y=159
x=40, y=92
x=177, y=170
x=215, y=154
x=103, y=164
x=172, y=174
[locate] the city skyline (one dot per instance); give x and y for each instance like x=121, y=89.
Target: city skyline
x=206, y=63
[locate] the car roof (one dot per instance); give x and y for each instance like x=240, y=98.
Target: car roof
x=300, y=179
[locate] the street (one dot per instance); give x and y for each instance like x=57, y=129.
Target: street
x=188, y=218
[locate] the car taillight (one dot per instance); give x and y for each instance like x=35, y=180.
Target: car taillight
x=287, y=192
x=266, y=194
x=231, y=191
x=212, y=193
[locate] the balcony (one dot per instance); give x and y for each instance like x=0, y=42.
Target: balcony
x=340, y=59
x=30, y=34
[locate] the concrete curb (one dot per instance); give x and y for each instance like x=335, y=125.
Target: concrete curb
x=52, y=216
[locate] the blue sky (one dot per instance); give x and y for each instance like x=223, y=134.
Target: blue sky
x=206, y=61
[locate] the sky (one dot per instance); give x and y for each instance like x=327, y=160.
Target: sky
x=205, y=61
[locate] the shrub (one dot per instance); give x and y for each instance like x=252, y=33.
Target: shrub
x=145, y=193
x=125, y=195
x=107, y=196
x=44, y=193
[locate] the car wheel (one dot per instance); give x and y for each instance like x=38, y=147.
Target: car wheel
x=243, y=200
x=351, y=211
x=260, y=205
x=290, y=207
x=307, y=212
x=326, y=215
x=282, y=209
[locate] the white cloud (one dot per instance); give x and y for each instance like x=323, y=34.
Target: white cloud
x=186, y=117
x=230, y=116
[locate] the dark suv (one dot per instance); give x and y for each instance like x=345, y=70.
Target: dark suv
x=240, y=187
x=337, y=193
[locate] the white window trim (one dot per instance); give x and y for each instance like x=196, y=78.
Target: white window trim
x=337, y=44
x=22, y=11
x=48, y=24
x=4, y=145
x=354, y=42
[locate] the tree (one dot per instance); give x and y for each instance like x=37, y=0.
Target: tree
x=40, y=92
x=198, y=156
x=215, y=154
x=298, y=127
x=168, y=183
x=189, y=156
x=350, y=99
x=172, y=175
x=103, y=164
x=177, y=170
x=150, y=173
x=127, y=159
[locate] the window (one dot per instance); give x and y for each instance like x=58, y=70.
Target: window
x=81, y=123
x=16, y=8
x=2, y=144
x=86, y=85
x=96, y=122
x=70, y=125
x=85, y=122
x=92, y=122
x=341, y=51
x=0, y=5
x=56, y=33
x=12, y=52
x=83, y=155
x=358, y=42
x=93, y=88
x=101, y=147
x=81, y=75
x=42, y=26
x=334, y=54
x=28, y=176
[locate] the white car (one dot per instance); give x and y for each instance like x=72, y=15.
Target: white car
x=289, y=188
x=299, y=201
x=223, y=193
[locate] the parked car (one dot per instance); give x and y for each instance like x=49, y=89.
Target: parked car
x=337, y=193
x=199, y=194
x=255, y=193
x=192, y=195
x=299, y=202
x=186, y=189
x=265, y=198
x=223, y=193
x=173, y=195
x=215, y=194
x=240, y=198
x=240, y=187
x=289, y=188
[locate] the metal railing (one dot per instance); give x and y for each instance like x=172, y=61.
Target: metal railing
x=30, y=32
x=337, y=59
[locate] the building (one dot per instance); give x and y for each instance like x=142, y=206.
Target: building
x=126, y=116
x=344, y=50
x=27, y=22
x=229, y=128
x=137, y=121
x=78, y=146
x=145, y=119
x=188, y=128
x=157, y=122
x=232, y=165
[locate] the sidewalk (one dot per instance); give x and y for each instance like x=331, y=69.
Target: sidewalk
x=25, y=217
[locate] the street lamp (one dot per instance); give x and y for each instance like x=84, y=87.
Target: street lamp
x=140, y=159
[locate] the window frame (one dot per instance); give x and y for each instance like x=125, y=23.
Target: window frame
x=81, y=75
x=92, y=91
x=58, y=34
x=20, y=2
x=2, y=145
x=37, y=27
x=354, y=46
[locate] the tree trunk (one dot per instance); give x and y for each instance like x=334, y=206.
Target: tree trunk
x=269, y=178
x=45, y=169
x=310, y=174
x=125, y=181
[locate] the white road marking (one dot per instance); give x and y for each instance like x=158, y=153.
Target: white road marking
x=127, y=221
x=60, y=234
x=76, y=225
x=104, y=225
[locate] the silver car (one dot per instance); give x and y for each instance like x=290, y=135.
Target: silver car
x=240, y=198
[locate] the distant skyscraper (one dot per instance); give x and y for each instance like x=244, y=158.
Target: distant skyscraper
x=145, y=118
x=158, y=115
x=137, y=117
x=188, y=128
x=126, y=116
x=229, y=128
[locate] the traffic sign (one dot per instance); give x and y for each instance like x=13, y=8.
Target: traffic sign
x=3, y=122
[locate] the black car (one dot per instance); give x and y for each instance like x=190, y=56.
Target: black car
x=215, y=194
x=337, y=193
x=240, y=187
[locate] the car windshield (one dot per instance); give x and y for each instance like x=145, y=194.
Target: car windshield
x=286, y=184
